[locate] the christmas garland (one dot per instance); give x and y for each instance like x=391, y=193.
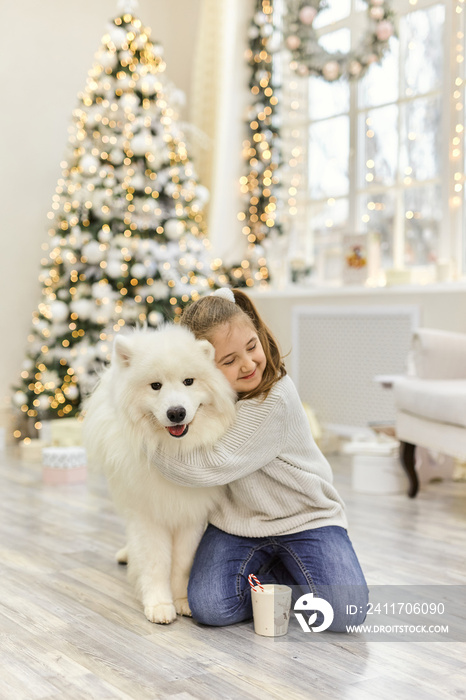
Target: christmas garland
x=309, y=58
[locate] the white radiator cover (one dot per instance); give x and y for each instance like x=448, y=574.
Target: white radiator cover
x=337, y=351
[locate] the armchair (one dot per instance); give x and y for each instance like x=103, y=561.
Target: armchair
x=431, y=399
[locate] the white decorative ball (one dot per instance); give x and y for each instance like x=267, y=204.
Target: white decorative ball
x=59, y=310
x=307, y=14
x=129, y=101
x=92, y=252
x=293, y=42
x=82, y=307
x=117, y=156
x=202, y=194
x=101, y=290
x=141, y=143
x=104, y=235
x=27, y=365
x=331, y=70
x=148, y=84
x=384, y=30
x=355, y=68
x=72, y=392
x=138, y=181
x=107, y=59
x=376, y=13
x=113, y=269
x=118, y=36
x=138, y=271
x=159, y=290
x=44, y=402
x=89, y=164
x=174, y=229
x=19, y=398
x=155, y=318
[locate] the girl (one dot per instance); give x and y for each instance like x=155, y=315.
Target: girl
x=280, y=517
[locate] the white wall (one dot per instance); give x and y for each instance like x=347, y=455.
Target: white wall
x=46, y=51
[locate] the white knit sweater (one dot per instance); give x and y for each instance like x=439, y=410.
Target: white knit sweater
x=278, y=480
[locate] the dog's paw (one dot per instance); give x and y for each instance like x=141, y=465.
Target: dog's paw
x=122, y=556
x=163, y=613
x=182, y=607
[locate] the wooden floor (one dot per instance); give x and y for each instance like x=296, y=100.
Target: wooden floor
x=70, y=627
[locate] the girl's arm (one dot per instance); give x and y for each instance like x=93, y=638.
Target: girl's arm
x=255, y=438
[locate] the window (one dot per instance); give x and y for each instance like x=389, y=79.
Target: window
x=383, y=155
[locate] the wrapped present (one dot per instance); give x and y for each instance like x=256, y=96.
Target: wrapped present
x=30, y=450
x=66, y=432
x=64, y=465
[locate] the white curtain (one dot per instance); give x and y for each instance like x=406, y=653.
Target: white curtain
x=218, y=104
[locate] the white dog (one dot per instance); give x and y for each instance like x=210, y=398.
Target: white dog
x=161, y=389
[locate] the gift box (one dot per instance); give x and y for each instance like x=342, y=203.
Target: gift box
x=64, y=465
x=66, y=432
x=30, y=450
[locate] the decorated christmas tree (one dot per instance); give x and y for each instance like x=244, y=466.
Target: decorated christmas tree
x=126, y=240
x=261, y=185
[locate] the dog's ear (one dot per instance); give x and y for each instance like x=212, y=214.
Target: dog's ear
x=208, y=349
x=122, y=351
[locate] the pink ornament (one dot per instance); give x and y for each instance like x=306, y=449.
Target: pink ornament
x=307, y=14
x=331, y=70
x=384, y=31
x=376, y=13
x=293, y=42
x=355, y=68
x=303, y=70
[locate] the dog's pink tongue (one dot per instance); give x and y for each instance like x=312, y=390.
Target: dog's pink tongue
x=176, y=429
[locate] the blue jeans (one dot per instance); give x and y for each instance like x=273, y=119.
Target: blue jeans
x=321, y=561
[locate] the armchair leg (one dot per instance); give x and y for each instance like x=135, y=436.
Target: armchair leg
x=407, y=456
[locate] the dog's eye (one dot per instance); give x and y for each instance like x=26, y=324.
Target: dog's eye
x=156, y=386
x=188, y=382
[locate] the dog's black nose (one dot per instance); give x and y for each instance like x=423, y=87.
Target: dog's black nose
x=176, y=414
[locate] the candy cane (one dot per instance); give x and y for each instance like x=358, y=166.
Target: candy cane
x=257, y=582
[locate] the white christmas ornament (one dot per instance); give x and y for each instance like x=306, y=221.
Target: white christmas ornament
x=174, y=229
x=129, y=102
x=117, y=156
x=104, y=235
x=92, y=252
x=149, y=84
x=155, y=318
x=19, y=398
x=59, y=310
x=82, y=307
x=202, y=194
x=138, y=271
x=44, y=402
x=141, y=143
x=107, y=59
x=72, y=392
x=89, y=164
x=159, y=290
x=118, y=36
x=113, y=269
x=101, y=290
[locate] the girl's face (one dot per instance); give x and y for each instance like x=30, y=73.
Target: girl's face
x=239, y=355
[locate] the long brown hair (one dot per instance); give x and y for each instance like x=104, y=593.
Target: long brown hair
x=203, y=316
